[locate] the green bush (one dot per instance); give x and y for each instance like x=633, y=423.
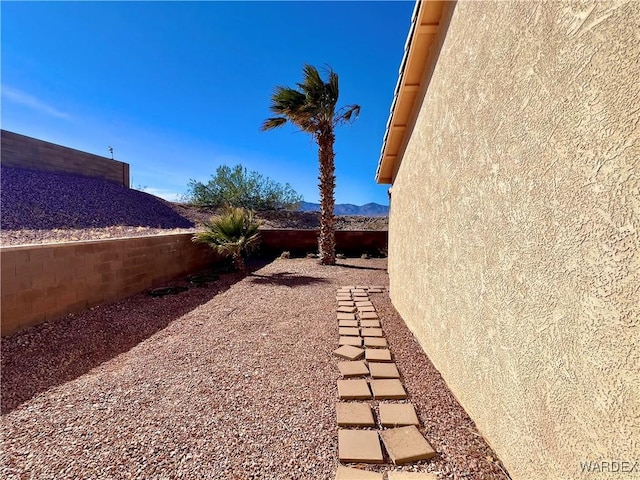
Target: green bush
x=238, y=187
x=234, y=234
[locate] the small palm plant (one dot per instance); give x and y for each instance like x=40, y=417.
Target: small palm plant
x=234, y=234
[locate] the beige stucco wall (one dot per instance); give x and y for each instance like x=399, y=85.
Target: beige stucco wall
x=514, y=230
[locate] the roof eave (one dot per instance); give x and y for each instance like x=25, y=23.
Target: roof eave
x=426, y=28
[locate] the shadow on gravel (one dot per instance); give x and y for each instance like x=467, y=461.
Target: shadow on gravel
x=56, y=352
x=285, y=278
x=360, y=267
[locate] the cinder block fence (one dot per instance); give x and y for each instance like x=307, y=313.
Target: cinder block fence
x=33, y=154
x=45, y=282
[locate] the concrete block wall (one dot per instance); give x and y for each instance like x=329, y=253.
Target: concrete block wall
x=44, y=282
x=350, y=242
x=33, y=154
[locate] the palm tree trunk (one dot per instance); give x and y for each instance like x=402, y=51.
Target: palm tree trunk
x=327, y=185
x=238, y=262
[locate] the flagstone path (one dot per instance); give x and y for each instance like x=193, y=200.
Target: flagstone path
x=378, y=379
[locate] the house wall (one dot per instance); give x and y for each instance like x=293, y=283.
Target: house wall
x=514, y=230
x=44, y=282
x=33, y=154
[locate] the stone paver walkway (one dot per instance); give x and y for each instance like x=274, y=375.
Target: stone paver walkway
x=396, y=425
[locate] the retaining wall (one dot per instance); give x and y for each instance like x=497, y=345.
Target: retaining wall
x=33, y=154
x=44, y=282
x=349, y=242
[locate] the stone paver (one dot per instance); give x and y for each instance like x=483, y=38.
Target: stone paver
x=370, y=323
x=349, y=331
x=377, y=355
x=372, y=332
x=411, y=476
x=353, y=390
x=398, y=415
x=366, y=308
x=349, y=352
x=384, y=370
x=354, y=415
x=406, y=444
x=353, y=369
x=355, y=341
x=388, y=389
x=365, y=303
x=347, y=309
x=375, y=342
x=362, y=446
x=347, y=473
x=348, y=323
x=346, y=303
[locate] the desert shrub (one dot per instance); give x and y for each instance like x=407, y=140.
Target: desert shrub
x=238, y=187
x=233, y=234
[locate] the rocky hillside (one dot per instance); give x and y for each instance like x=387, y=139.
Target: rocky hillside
x=288, y=219
x=44, y=201
x=39, y=207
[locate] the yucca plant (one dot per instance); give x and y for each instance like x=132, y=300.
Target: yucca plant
x=312, y=108
x=234, y=234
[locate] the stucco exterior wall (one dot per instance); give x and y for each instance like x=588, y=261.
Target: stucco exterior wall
x=514, y=244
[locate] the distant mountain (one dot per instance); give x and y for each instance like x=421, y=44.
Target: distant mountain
x=366, y=210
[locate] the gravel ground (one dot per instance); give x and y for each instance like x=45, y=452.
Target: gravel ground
x=58, y=235
x=232, y=381
x=45, y=200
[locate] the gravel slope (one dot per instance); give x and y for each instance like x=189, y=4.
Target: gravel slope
x=43, y=201
x=232, y=381
x=45, y=207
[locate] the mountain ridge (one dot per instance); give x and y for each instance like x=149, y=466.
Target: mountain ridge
x=371, y=209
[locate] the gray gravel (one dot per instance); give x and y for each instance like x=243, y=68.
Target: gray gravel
x=37, y=200
x=232, y=381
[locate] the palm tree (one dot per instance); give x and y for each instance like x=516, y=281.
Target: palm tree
x=312, y=108
x=234, y=233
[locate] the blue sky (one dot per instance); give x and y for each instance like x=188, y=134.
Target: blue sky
x=180, y=88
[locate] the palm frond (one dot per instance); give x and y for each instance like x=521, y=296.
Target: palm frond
x=234, y=233
x=333, y=90
x=271, y=123
x=347, y=114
